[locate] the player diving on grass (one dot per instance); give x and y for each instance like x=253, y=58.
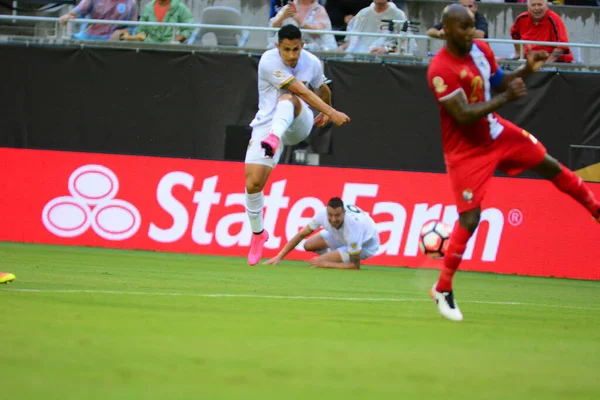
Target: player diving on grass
x=477, y=141
x=284, y=117
x=349, y=235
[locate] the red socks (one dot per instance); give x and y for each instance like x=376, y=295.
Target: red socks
x=566, y=181
x=458, y=243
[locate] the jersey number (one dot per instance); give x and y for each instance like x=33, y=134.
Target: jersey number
x=352, y=208
x=476, y=86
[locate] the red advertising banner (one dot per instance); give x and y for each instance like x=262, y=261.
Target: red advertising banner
x=193, y=206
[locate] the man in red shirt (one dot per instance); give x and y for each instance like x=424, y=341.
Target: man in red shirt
x=543, y=25
x=477, y=141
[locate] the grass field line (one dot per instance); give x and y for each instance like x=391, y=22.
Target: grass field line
x=283, y=297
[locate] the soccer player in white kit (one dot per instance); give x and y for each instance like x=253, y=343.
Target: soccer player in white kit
x=349, y=235
x=283, y=118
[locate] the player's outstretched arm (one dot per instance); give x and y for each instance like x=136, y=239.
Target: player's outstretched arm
x=465, y=113
x=300, y=90
x=291, y=245
x=320, y=263
x=535, y=60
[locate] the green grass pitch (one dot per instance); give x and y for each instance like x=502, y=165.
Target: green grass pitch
x=83, y=323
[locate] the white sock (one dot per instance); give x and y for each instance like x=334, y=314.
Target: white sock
x=283, y=118
x=254, y=209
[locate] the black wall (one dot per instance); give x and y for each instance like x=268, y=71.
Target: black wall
x=182, y=104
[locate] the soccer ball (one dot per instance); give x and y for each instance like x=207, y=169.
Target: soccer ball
x=435, y=236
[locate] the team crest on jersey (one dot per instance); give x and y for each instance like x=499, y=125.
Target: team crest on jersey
x=468, y=195
x=353, y=246
x=439, y=84
x=278, y=74
x=481, y=61
x=463, y=74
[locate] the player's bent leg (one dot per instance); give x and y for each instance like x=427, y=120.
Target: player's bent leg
x=461, y=233
x=302, y=126
x=316, y=244
x=568, y=182
x=442, y=292
x=288, y=107
x=256, y=178
x=469, y=220
x=336, y=255
x=339, y=255
x=549, y=168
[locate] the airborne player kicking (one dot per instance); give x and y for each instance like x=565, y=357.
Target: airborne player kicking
x=283, y=118
x=477, y=141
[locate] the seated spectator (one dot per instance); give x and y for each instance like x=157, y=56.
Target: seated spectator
x=307, y=15
x=369, y=20
x=115, y=10
x=539, y=23
x=166, y=11
x=481, y=24
x=277, y=5
x=342, y=11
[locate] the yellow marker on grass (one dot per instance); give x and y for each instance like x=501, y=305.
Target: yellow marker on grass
x=6, y=277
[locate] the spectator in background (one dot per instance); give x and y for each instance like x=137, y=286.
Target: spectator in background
x=481, y=24
x=277, y=5
x=539, y=23
x=369, y=20
x=342, y=11
x=166, y=11
x=117, y=10
x=307, y=15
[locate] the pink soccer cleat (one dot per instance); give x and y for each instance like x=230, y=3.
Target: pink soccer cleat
x=270, y=144
x=256, y=247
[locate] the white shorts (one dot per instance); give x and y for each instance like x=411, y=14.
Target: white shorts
x=298, y=131
x=369, y=248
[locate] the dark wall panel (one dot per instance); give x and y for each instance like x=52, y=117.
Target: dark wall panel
x=181, y=104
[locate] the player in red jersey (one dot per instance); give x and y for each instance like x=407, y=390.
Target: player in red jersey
x=477, y=141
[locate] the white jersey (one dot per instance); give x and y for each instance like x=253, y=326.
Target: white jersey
x=357, y=231
x=273, y=74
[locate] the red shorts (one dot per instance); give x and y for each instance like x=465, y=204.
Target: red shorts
x=513, y=152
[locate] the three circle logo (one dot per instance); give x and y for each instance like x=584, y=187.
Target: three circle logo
x=92, y=203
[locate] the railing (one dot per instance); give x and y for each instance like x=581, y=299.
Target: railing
x=397, y=36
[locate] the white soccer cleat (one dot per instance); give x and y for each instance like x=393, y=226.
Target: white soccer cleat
x=446, y=304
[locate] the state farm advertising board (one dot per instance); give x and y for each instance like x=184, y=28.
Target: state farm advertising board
x=193, y=206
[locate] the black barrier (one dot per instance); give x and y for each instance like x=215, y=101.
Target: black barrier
x=189, y=105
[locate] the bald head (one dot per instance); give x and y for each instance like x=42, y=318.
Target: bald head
x=459, y=28
x=456, y=13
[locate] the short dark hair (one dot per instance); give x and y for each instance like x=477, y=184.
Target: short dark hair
x=335, y=202
x=290, y=32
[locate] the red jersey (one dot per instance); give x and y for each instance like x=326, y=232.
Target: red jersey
x=550, y=29
x=469, y=76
